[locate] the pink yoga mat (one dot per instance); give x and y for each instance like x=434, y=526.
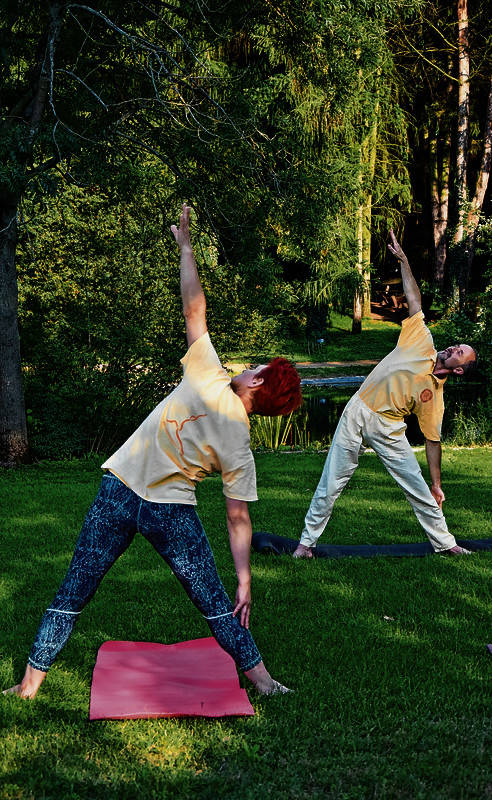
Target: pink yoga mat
x=136, y=680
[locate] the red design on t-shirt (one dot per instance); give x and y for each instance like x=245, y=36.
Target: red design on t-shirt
x=180, y=427
x=426, y=395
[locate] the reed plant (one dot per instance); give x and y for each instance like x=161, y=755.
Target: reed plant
x=275, y=433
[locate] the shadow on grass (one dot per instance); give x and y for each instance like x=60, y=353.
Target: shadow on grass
x=387, y=657
x=372, y=509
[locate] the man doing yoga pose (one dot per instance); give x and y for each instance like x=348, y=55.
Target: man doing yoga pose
x=409, y=380
x=149, y=487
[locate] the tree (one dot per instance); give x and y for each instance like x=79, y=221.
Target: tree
x=447, y=57
x=83, y=88
x=276, y=122
x=384, y=189
x=340, y=102
x=100, y=311
x=469, y=209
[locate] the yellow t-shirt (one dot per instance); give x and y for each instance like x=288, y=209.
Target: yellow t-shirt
x=403, y=383
x=200, y=428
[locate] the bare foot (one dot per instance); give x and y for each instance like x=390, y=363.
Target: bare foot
x=302, y=551
x=276, y=688
x=263, y=681
x=458, y=551
x=29, y=685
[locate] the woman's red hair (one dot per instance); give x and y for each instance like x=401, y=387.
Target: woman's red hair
x=280, y=392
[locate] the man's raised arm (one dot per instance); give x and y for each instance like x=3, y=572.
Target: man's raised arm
x=410, y=287
x=194, y=305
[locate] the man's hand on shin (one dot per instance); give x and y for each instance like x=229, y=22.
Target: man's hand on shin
x=438, y=495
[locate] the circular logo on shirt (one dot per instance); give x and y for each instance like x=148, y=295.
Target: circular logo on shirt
x=426, y=395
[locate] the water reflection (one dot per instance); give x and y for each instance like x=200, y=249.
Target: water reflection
x=325, y=404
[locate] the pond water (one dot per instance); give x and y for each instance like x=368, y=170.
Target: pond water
x=325, y=403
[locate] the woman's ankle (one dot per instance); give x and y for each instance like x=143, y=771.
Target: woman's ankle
x=31, y=682
x=259, y=675
x=263, y=681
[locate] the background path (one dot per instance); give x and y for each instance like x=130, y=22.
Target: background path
x=238, y=367
x=339, y=380
x=334, y=364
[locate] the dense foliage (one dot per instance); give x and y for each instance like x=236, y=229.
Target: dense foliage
x=298, y=131
x=100, y=313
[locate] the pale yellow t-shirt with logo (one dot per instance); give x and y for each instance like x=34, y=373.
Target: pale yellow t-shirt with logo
x=403, y=383
x=200, y=428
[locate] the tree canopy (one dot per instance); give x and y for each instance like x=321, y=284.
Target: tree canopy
x=298, y=131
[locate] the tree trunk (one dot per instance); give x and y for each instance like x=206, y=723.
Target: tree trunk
x=27, y=119
x=358, y=295
x=484, y=174
x=459, y=241
x=357, y=314
x=473, y=217
x=362, y=297
x=13, y=431
x=366, y=257
x=440, y=202
x=463, y=116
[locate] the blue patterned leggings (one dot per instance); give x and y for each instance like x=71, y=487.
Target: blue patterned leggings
x=177, y=534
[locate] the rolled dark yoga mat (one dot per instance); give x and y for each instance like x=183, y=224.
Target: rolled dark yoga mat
x=264, y=542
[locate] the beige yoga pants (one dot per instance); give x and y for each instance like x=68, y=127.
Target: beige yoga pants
x=359, y=428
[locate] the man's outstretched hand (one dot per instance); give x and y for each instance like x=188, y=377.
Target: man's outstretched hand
x=410, y=287
x=182, y=234
x=395, y=247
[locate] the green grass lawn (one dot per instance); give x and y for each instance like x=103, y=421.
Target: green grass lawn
x=375, y=341
x=387, y=656
x=378, y=337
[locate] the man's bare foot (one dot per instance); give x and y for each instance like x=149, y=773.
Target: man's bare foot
x=457, y=551
x=263, y=681
x=302, y=551
x=29, y=685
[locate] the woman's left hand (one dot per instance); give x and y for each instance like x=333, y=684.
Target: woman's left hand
x=243, y=604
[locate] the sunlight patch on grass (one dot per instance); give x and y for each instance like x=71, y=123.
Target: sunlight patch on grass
x=7, y=588
x=345, y=590
x=159, y=748
x=27, y=520
x=393, y=708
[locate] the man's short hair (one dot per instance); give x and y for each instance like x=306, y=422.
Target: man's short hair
x=471, y=366
x=280, y=392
